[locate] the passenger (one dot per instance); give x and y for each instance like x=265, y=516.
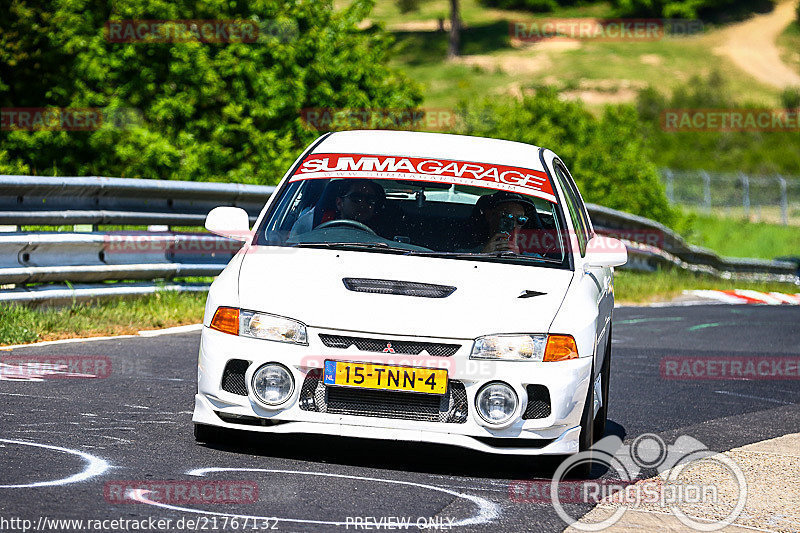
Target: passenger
x=500, y=216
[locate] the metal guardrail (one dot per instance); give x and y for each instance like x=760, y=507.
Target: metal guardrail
x=88, y=257
x=82, y=259
x=652, y=245
x=33, y=200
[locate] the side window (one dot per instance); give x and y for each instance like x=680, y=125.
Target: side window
x=581, y=206
x=574, y=208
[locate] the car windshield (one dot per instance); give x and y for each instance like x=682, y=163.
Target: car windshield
x=438, y=215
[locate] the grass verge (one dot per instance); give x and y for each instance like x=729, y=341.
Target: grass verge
x=736, y=237
x=644, y=287
x=22, y=324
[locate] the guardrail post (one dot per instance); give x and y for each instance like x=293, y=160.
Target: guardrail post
x=745, y=194
x=706, y=190
x=784, y=201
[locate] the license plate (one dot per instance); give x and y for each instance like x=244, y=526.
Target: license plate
x=384, y=377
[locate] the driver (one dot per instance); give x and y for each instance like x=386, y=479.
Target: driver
x=356, y=199
x=360, y=200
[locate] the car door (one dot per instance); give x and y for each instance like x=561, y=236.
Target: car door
x=589, y=284
x=601, y=278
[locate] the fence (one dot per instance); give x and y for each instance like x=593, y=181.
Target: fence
x=773, y=198
x=53, y=267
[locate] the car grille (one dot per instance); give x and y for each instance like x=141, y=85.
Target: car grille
x=233, y=377
x=449, y=408
x=389, y=346
x=538, y=402
x=402, y=288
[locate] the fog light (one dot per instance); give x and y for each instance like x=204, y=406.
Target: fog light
x=496, y=402
x=273, y=384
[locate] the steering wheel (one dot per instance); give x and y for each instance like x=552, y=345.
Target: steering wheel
x=347, y=222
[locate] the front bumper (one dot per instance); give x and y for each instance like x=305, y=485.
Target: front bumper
x=556, y=433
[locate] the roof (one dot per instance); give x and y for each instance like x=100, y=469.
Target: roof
x=432, y=145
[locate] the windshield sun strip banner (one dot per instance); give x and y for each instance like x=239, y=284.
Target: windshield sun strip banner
x=487, y=175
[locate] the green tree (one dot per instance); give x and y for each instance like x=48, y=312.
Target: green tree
x=205, y=111
x=609, y=160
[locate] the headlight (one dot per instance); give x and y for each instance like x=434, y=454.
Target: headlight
x=271, y=327
x=496, y=402
x=510, y=347
x=273, y=384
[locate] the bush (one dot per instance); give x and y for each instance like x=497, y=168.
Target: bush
x=408, y=6
x=790, y=98
x=607, y=157
x=721, y=10
x=216, y=112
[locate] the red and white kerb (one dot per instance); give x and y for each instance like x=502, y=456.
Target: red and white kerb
x=500, y=177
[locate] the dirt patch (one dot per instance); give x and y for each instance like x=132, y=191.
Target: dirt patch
x=513, y=65
x=751, y=46
x=547, y=45
x=421, y=25
x=651, y=59
x=600, y=97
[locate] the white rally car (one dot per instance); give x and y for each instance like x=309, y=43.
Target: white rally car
x=417, y=287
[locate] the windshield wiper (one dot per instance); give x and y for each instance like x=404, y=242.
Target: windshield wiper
x=382, y=246
x=481, y=255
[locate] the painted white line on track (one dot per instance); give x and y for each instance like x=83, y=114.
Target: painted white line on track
x=143, y=333
x=752, y=397
x=487, y=511
x=94, y=466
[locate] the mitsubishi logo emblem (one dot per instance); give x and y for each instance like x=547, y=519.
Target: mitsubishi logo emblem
x=388, y=348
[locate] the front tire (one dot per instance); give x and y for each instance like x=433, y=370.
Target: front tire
x=586, y=438
x=605, y=376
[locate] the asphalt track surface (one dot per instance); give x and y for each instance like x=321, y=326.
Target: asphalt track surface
x=138, y=420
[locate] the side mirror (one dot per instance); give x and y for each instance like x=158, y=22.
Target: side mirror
x=605, y=252
x=231, y=222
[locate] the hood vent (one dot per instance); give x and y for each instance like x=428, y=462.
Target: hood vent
x=403, y=288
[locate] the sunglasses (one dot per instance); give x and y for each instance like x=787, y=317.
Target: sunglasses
x=521, y=220
x=362, y=198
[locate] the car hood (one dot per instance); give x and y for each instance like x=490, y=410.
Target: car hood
x=306, y=284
